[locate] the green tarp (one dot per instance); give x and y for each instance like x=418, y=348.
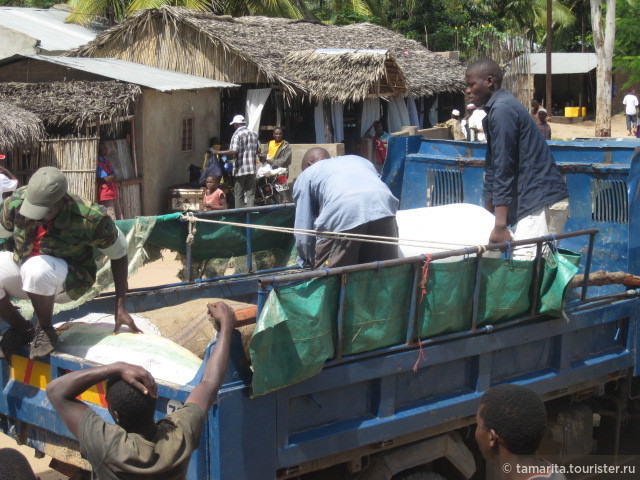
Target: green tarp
x=298, y=328
x=214, y=244
x=295, y=334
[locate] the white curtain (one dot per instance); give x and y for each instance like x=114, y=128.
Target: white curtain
x=318, y=116
x=338, y=123
x=413, y=112
x=433, y=113
x=398, y=114
x=255, y=103
x=370, y=113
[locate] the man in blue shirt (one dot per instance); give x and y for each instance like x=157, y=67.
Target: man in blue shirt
x=523, y=185
x=342, y=194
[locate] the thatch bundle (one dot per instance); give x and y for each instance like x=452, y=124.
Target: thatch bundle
x=346, y=75
x=18, y=127
x=253, y=49
x=72, y=104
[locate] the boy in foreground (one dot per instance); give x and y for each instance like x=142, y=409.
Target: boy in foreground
x=511, y=421
x=136, y=446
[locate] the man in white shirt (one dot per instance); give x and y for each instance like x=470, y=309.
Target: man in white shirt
x=630, y=103
x=475, y=125
x=8, y=181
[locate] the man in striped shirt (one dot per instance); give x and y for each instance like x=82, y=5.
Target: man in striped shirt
x=245, y=147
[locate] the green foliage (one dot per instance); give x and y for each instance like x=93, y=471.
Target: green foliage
x=626, y=59
x=28, y=3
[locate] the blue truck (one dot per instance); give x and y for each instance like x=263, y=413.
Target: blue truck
x=405, y=410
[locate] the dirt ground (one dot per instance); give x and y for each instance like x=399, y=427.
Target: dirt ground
x=562, y=131
x=165, y=271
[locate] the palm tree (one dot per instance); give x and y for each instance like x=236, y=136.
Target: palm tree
x=86, y=11
x=528, y=15
x=363, y=8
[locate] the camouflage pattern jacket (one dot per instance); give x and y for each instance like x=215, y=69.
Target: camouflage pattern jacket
x=76, y=230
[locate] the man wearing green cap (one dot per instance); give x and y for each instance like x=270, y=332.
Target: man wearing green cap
x=53, y=234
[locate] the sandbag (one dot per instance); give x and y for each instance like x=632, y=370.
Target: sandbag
x=188, y=324
x=164, y=359
x=456, y=226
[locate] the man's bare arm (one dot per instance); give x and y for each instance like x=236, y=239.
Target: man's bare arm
x=500, y=232
x=62, y=392
x=205, y=393
x=119, y=268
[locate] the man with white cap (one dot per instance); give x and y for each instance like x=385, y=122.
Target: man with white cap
x=245, y=147
x=475, y=125
x=455, y=126
x=541, y=121
x=53, y=234
x=464, y=123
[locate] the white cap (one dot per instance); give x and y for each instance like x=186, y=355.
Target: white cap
x=237, y=119
x=542, y=110
x=455, y=112
x=471, y=106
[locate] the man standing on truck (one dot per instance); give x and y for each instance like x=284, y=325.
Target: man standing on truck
x=510, y=423
x=342, y=194
x=136, y=446
x=53, y=234
x=523, y=185
x=245, y=146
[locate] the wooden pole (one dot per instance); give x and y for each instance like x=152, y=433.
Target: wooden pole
x=549, y=47
x=328, y=124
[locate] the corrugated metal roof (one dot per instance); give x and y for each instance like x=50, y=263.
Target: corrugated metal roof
x=143, y=75
x=47, y=26
x=563, y=63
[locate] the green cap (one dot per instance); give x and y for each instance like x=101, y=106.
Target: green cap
x=45, y=188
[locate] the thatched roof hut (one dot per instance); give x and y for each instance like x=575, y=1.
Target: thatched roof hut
x=346, y=75
x=18, y=128
x=255, y=49
x=72, y=104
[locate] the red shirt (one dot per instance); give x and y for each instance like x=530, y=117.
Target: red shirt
x=40, y=232
x=106, y=191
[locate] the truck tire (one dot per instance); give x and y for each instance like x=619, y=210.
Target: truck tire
x=418, y=475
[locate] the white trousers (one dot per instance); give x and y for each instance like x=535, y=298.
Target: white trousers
x=42, y=275
x=549, y=220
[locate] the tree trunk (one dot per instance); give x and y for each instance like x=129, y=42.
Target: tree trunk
x=549, y=102
x=328, y=123
x=603, y=40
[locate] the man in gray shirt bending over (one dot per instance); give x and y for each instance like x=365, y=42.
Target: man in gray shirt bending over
x=342, y=194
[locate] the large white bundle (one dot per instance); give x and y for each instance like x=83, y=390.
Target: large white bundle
x=92, y=338
x=449, y=227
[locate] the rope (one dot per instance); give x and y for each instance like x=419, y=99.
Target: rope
x=325, y=234
x=423, y=292
x=189, y=217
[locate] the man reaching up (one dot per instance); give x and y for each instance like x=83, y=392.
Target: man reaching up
x=136, y=446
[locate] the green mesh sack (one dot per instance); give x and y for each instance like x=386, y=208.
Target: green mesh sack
x=447, y=304
x=294, y=335
x=559, y=268
x=505, y=290
x=376, y=311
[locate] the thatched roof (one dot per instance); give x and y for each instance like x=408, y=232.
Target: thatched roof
x=18, y=127
x=72, y=104
x=344, y=75
x=253, y=49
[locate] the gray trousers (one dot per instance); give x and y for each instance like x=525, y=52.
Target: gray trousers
x=339, y=253
x=245, y=184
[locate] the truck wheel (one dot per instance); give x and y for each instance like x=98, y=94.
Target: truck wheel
x=418, y=475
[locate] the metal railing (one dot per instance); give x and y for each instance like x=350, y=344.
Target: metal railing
x=248, y=212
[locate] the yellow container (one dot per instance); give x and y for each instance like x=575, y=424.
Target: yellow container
x=570, y=112
x=583, y=111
